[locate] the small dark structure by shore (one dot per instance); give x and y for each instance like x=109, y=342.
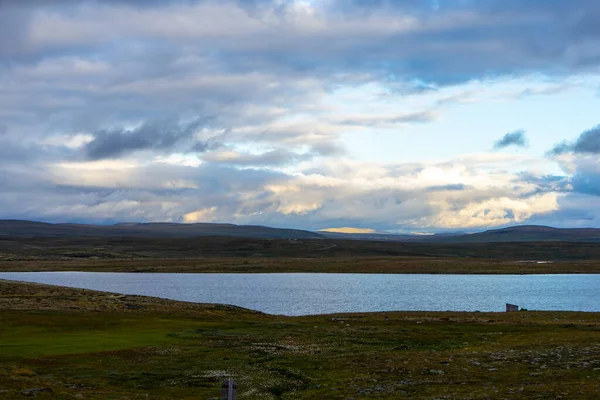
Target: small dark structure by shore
x=229, y=390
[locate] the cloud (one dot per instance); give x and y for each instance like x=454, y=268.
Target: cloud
x=348, y=230
x=249, y=111
x=277, y=157
x=516, y=138
x=579, y=206
x=576, y=210
x=202, y=215
x=587, y=143
x=448, y=195
x=450, y=187
x=328, y=148
x=551, y=90
x=585, y=177
x=157, y=135
x=383, y=120
x=456, y=42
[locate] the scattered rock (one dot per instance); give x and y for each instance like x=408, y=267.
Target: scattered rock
x=436, y=372
x=35, y=391
x=133, y=307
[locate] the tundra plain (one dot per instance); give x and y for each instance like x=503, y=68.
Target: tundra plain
x=63, y=343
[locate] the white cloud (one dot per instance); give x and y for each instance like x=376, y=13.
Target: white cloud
x=203, y=215
x=491, y=212
x=348, y=230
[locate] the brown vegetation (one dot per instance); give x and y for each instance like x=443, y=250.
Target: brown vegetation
x=226, y=254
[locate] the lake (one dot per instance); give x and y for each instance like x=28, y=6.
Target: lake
x=311, y=293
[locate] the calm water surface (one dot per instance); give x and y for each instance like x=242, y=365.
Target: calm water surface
x=303, y=294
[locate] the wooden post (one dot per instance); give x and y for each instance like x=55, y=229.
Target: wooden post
x=229, y=390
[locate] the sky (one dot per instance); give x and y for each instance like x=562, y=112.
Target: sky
x=369, y=115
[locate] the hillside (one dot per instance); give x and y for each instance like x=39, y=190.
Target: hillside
x=19, y=228
x=525, y=233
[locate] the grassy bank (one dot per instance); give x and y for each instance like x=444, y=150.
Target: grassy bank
x=227, y=254
x=385, y=265
x=71, y=343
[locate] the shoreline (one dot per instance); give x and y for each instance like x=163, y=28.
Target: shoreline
x=149, y=299
x=358, y=265
x=58, y=291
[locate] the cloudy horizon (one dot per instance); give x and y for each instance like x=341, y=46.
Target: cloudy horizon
x=371, y=115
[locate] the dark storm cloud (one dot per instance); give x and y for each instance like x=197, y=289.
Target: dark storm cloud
x=587, y=182
x=587, y=143
x=495, y=37
x=457, y=41
x=516, y=138
x=586, y=175
x=157, y=135
x=206, y=145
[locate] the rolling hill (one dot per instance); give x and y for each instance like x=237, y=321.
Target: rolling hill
x=19, y=228
x=524, y=233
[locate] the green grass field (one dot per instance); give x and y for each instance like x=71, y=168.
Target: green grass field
x=82, y=344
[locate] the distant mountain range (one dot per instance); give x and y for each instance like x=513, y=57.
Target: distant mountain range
x=524, y=233
x=152, y=230
x=528, y=233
